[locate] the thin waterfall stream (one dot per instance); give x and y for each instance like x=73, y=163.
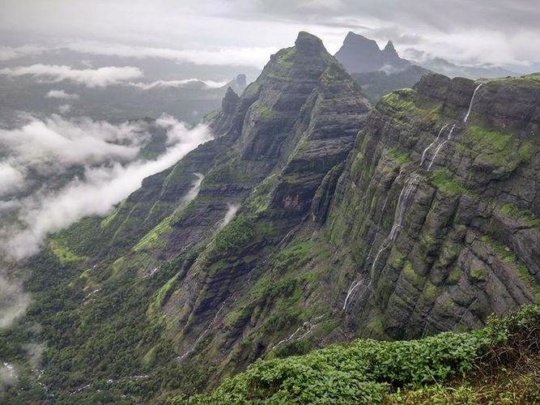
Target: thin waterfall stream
x=407, y=192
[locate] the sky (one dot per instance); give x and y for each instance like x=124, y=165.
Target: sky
x=500, y=32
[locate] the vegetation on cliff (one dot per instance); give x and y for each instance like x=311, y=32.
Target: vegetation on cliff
x=451, y=367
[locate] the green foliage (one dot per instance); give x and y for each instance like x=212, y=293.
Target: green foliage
x=445, y=181
x=525, y=216
x=156, y=237
x=398, y=156
x=497, y=149
x=62, y=253
x=401, y=100
x=237, y=233
x=285, y=58
x=366, y=371
x=231, y=172
x=159, y=298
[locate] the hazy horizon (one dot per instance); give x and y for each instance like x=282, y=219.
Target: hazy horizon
x=245, y=33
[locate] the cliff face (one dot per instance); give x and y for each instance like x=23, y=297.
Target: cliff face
x=439, y=207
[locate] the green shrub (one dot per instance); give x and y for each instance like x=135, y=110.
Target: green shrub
x=365, y=371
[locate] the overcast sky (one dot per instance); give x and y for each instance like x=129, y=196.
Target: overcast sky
x=464, y=31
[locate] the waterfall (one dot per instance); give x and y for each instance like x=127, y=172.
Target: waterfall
x=431, y=144
x=403, y=200
x=229, y=215
x=471, y=103
x=352, y=287
x=194, y=190
x=440, y=146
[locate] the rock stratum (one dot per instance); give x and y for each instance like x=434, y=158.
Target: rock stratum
x=311, y=218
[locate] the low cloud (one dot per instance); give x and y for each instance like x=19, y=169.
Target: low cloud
x=57, y=142
x=13, y=301
x=64, y=108
x=61, y=94
x=8, y=376
x=159, y=84
x=100, y=77
x=9, y=52
x=12, y=178
x=226, y=56
x=101, y=189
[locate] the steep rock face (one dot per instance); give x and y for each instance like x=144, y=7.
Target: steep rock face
x=300, y=127
x=360, y=55
x=197, y=239
x=445, y=207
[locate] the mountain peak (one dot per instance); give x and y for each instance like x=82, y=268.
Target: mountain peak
x=390, y=49
x=356, y=40
x=361, y=55
x=308, y=43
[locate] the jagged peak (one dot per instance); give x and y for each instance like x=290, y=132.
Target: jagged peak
x=308, y=43
x=230, y=101
x=241, y=80
x=355, y=39
x=390, y=49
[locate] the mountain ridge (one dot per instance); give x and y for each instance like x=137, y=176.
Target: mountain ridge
x=311, y=218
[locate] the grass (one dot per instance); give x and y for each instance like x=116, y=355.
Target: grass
x=398, y=156
x=503, y=151
x=525, y=216
x=156, y=237
x=445, y=181
x=63, y=254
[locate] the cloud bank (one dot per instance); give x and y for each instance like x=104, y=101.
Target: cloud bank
x=159, y=84
x=222, y=56
x=103, y=187
x=55, y=143
x=9, y=52
x=101, y=77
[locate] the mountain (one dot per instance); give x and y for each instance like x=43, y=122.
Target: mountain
x=378, y=71
x=359, y=54
x=312, y=218
x=141, y=288
x=381, y=71
x=444, y=67
x=378, y=83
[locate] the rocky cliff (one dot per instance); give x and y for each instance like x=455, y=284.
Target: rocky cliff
x=359, y=54
x=439, y=207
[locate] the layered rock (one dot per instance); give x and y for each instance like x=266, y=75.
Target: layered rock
x=467, y=243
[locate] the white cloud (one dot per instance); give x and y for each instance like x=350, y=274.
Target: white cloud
x=61, y=94
x=102, y=188
x=225, y=56
x=101, y=77
x=8, y=52
x=64, y=108
x=232, y=209
x=12, y=179
x=13, y=301
x=177, y=83
x=56, y=141
x=8, y=376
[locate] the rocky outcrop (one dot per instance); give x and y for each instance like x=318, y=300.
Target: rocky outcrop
x=359, y=54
